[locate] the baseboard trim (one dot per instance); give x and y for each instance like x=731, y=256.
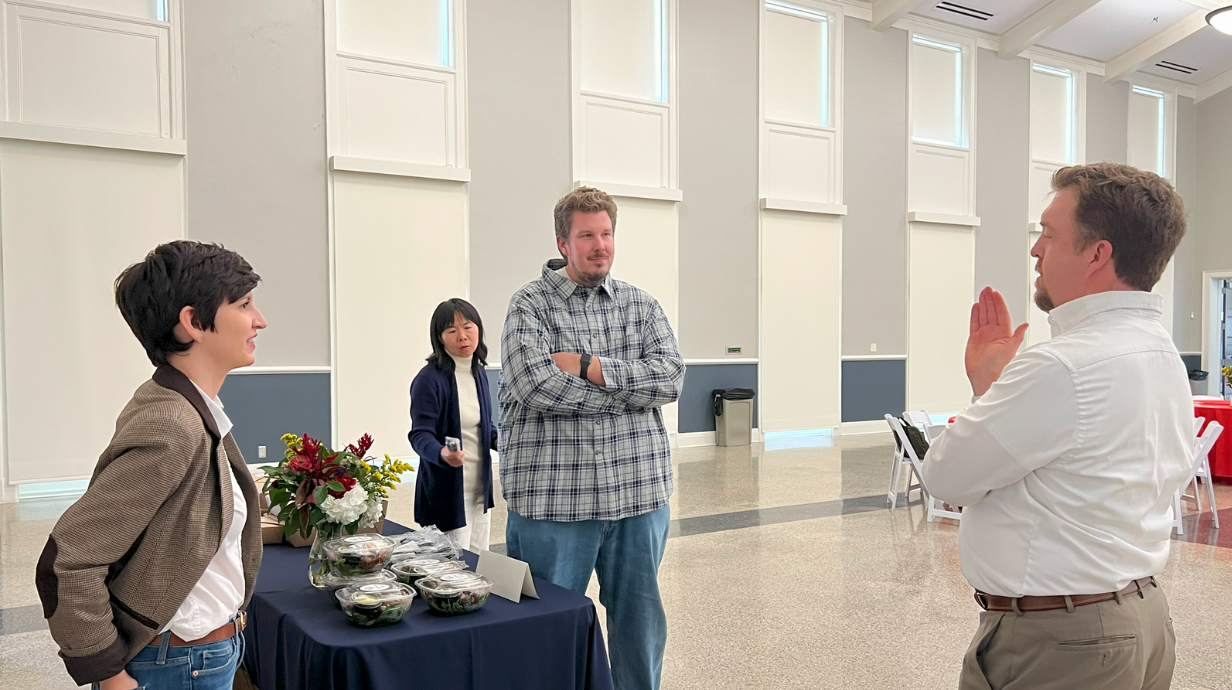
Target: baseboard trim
x=700, y=439
x=876, y=426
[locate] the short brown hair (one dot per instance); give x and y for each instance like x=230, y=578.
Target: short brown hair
x=1138, y=212
x=586, y=200
x=183, y=273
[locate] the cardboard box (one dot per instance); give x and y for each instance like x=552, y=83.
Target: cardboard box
x=271, y=530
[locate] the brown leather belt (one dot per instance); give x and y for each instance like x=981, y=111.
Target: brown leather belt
x=992, y=602
x=223, y=632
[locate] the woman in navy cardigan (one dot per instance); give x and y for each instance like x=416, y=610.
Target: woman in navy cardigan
x=449, y=399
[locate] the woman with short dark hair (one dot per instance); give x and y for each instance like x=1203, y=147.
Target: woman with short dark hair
x=144, y=580
x=450, y=402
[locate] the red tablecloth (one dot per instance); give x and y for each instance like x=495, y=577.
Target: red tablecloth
x=1221, y=455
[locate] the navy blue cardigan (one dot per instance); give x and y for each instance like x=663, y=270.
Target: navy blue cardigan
x=434, y=415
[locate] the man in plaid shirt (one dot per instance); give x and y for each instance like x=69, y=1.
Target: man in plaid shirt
x=587, y=363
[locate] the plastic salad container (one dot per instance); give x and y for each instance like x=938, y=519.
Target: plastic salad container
x=334, y=582
x=428, y=545
x=408, y=571
x=357, y=555
x=371, y=605
x=452, y=594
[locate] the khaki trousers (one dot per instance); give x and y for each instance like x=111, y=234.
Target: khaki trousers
x=1105, y=646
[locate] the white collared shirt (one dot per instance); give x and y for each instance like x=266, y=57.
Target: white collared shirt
x=1067, y=466
x=218, y=594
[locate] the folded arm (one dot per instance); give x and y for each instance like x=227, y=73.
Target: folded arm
x=654, y=380
x=534, y=379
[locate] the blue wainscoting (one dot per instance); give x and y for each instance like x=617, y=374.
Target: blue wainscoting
x=873, y=388
x=264, y=406
x=700, y=380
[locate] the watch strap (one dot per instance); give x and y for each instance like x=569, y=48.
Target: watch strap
x=585, y=366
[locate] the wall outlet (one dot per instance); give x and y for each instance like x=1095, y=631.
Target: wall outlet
x=260, y=451
x=872, y=347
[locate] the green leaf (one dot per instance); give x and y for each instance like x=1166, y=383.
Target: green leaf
x=336, y=486
x=321, y=493
x=352, y=528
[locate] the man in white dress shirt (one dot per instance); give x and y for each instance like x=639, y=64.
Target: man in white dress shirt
x=1067, y=461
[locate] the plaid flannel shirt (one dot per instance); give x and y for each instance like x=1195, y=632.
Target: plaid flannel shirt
x=571, y=450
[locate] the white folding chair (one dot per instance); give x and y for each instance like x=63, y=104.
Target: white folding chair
x=922, y=420
x=1198, y=422
x=935, y=507
x=1199, y=468
x=896, y=470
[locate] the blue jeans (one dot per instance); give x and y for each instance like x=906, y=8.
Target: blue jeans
x=626, y=555
x=193, y=667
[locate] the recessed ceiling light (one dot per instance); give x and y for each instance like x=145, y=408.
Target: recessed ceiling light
x=1221, y=19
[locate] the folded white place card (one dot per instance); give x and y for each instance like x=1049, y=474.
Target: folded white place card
x=510, y=577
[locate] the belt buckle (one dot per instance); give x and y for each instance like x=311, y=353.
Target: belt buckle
x=241, y=620
x=981, y=599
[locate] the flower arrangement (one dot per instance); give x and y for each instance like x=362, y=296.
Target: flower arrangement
x=330, y=492
x=1227, y=375
x=315, y=486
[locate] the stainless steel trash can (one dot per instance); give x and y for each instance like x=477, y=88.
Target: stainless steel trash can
x=733, y=416
x=1198, y=383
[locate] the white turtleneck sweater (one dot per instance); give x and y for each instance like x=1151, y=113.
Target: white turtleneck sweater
x=468, y=412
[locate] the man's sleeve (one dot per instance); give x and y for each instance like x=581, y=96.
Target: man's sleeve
x=533, y=377
x=97, y=531
x=1027, y=419
x=658, y=377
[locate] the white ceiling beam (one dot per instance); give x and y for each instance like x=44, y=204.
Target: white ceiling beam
x=1144, y=53
x=1038, y=26
x=1207, y=4
x=1214, y=85
x=886, y=12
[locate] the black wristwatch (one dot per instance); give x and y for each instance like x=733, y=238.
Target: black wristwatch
x=585, y=366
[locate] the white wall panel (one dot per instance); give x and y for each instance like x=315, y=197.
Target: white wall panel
x=940, y=293
x=72, y=218
x=940, y=180
x=1051, y=118
x=385, y=293
x=799, y=165
x=935, y=94
x=625, y=143
x=647, y=255
x=1145, y=122
x=404, y=30
x=794, y=58
x=75, y=70
x=142, y=9
x=396, y=113
x=1040, y=189
x=618, y=47
x=801, y=321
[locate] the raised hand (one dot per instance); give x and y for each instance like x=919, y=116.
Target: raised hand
x=993, y=341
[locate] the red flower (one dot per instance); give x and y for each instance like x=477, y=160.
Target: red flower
x=301, y=463
x=365, y=442
x=347, y=481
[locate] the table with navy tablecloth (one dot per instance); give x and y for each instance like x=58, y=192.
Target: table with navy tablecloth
x=297, y=638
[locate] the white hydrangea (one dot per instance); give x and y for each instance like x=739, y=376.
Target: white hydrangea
x=347, y=509
x=372, y=515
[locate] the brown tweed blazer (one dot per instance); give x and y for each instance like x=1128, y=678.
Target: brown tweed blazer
x=124, y=557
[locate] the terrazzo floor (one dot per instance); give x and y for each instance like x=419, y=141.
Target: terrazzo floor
x=786, y=569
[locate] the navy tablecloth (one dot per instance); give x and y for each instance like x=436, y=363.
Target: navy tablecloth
x=297, y=638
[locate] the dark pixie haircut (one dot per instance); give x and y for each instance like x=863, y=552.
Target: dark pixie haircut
x=1138, y=212
x=442, y=320
x=179, y=274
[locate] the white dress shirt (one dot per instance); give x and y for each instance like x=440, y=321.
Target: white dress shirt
x=1067, y=466
x=220, y=591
